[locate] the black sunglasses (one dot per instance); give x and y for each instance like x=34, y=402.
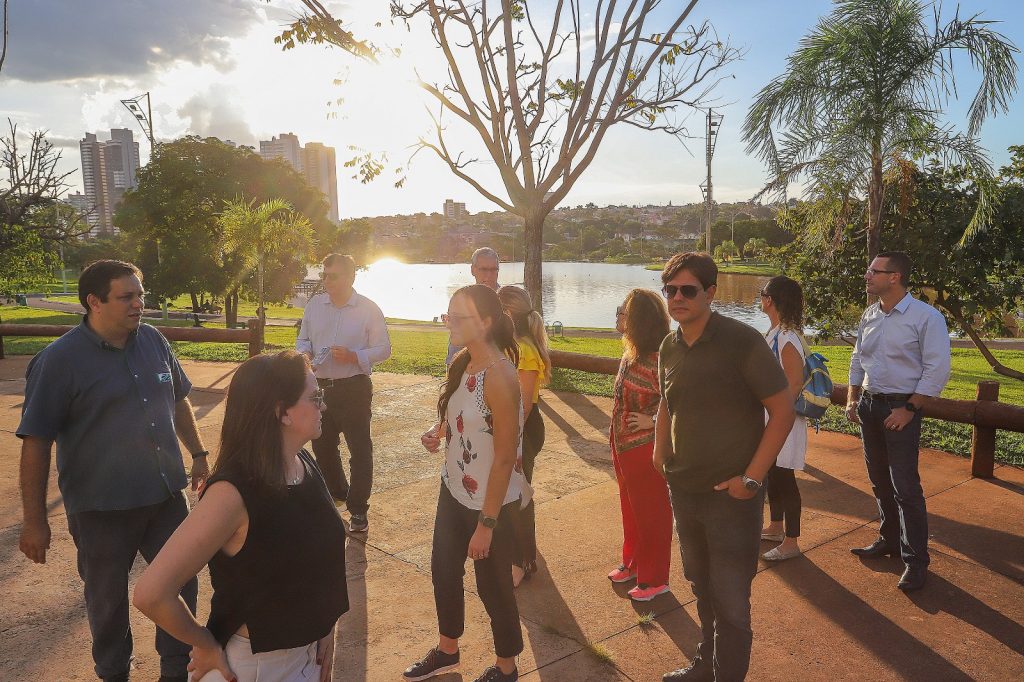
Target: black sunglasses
x=689, y=291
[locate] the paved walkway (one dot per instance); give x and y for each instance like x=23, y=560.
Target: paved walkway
x=825, y=616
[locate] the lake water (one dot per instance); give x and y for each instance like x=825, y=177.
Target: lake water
x=575, y=294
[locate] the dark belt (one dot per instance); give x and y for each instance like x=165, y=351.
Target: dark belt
x=889, y=397
x=330, y=383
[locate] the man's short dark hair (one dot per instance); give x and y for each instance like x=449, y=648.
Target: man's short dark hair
x=98, y=275
x=699, y=264
x=340, y=258
x=899, y=262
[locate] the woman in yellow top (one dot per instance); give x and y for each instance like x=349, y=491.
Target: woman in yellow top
x=534, y=372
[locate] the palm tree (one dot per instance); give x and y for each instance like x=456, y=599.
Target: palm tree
x=865, y=91
x=259, y=233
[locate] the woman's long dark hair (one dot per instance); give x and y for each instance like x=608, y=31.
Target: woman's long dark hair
x=250, y=439
x=788, y=298
x=502, y=334
x=647, y=323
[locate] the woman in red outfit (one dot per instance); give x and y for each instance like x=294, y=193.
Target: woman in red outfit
x=646, y=510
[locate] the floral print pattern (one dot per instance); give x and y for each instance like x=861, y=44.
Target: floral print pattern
x=469, y=438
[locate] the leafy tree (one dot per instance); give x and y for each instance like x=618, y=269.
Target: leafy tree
x=172, y=216
x=865, y=89
x=756, y=247
x=257, y=235
x=977, y=286
x=33, y=221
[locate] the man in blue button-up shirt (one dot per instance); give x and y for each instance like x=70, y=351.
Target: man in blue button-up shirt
x=114, y=398
x=900, y=361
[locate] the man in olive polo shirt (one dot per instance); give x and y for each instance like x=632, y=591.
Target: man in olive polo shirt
x=112, y=395
x=718, y=377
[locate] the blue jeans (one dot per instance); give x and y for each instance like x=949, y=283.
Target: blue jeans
x=891, y=458
x=107, y=543
x=719, y=541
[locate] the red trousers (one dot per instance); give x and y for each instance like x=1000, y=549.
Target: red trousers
x=646, y=515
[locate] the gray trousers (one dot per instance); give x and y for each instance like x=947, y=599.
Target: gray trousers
x=108, y=542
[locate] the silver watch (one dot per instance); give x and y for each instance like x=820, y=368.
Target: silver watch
x=750, y=484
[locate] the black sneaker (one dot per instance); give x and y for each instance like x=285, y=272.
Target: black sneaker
x=436, y=662
x=697, y=671
x=494, y=674
x=358, y=524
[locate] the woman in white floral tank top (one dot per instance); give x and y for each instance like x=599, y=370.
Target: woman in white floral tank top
x=482, y=485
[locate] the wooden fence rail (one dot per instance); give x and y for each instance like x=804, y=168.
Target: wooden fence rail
x=248, y=336
x=986, y=414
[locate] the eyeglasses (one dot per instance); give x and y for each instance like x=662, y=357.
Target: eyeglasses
x=689, y=291
x=318, y=399
x=765, y=294
x=620, y=311
x=448, y=320
x=871, y=272
x=486, y=269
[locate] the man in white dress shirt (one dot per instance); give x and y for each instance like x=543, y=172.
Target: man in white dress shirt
x=901, y=361
x=345, y=335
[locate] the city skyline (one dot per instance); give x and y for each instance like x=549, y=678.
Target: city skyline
x=208, y=67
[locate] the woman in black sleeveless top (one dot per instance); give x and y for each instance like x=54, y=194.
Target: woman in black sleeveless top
x=269, y=530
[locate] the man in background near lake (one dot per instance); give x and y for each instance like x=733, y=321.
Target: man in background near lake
x=112, y=395
x=345, y=335
x=900, y=361
x=718, y=378
x=483, y=265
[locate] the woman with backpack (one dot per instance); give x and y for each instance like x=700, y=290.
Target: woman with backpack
x=782, y=300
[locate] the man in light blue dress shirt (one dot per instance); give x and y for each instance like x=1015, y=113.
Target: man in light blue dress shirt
x=901, y=361
x=345, y=335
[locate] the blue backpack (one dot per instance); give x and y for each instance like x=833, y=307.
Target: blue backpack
x=816, y=396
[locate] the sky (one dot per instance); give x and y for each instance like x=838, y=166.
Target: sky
x=212, y=68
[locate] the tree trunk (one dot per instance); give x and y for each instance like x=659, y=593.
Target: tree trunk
x=997, y=367
x=875, y=190
x=231, y=309
x=261, y=313
x=533, y=236
x=195, y=301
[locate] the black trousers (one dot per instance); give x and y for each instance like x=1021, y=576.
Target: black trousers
x=107, y=543
x=526, y=527
x=784, y=498
x=348, y=413
x=891, y=458
x=454, y=526
x=719, y=540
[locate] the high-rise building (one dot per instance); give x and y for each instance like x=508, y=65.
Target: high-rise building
x=109, y=168
x=320, y=170
x=286, y=147
x=454, y=209
x=315, y=162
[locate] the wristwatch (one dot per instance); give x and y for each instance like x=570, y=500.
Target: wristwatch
x=201, y=453
x=488, y=521
x=911, y=407
x=750, y=484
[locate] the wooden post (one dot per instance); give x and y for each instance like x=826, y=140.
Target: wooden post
x=255, y=337
x=983, y=438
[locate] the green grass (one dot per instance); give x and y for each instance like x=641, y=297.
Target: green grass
x=645, y=620
x=423, y=352
x=600, y=652
x=743, y=268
